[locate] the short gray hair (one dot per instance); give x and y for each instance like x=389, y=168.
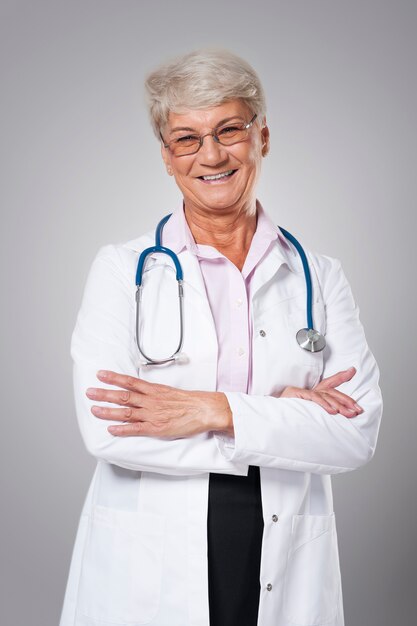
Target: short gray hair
x=202, y=79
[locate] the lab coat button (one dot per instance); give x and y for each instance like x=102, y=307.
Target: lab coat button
x=262, y=333
x=241, y=352
x=269, y=587
x=275, y=518
x=239, y=302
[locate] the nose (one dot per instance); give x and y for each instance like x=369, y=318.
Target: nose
x=211, y=152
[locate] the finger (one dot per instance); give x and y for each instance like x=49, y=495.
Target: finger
x=127, y=414
x=339, y=407
x=115, y=396
x=317, y=398
x=336, y=379
x=345, y=400
x=131, y=383
x=137, y=429
x=325, y=402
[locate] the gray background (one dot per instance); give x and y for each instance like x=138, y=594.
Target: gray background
x=80, y=168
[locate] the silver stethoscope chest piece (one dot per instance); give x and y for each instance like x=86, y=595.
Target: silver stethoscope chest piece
x=310, y=339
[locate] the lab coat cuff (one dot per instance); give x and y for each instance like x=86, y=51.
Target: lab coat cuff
x=225, y=444
x=228, y=445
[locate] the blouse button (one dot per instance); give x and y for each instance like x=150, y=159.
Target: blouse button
x=262, y=333
x=275, y=518
x=269, y=587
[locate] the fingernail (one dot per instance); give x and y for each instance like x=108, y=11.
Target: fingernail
x=358, y=408
x=91, y=392
x=102, y=373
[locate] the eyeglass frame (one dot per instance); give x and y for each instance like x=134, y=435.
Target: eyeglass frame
x=213, y=133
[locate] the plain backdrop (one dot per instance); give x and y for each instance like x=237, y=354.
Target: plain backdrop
x=80, y=168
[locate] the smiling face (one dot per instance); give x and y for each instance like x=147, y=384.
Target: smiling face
x=239, y=164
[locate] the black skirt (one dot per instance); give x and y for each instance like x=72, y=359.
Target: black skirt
x=234, y=533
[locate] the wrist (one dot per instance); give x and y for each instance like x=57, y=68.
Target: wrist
x=223, y=418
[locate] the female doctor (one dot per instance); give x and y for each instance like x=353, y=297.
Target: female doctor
x=216, y=425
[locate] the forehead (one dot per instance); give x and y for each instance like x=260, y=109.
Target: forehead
x=210, y=117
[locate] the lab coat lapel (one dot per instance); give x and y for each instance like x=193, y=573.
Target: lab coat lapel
x=274, y=262
x=193, y=282
x=194, y=286
x=160, y=324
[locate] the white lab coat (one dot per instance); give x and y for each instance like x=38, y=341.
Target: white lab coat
x=140, y=555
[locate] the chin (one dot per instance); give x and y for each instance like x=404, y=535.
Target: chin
x=221, y=201
x=219, y=204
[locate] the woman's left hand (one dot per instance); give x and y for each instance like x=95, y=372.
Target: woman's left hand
x=153, y=410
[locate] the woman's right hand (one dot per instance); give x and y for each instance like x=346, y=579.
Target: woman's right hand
x=327, y=396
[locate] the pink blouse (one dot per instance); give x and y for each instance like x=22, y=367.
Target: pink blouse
x=229, y=296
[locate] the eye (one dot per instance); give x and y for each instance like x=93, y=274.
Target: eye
x=187, y=139
x=229, y=130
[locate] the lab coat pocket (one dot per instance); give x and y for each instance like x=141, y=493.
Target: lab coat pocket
x=121, y=570
x=296, y=319
x=312, y=580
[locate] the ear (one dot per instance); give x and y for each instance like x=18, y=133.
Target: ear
x=166, y=156
x=265, y=138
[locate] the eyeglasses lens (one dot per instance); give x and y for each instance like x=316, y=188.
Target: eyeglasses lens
x=226, y=135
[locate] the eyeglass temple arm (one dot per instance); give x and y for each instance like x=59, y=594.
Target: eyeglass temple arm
x=166, y=145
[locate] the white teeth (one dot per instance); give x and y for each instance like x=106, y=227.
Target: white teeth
x=217, y=176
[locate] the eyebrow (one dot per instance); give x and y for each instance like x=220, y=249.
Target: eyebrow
x=173, y=130
x=223, y=121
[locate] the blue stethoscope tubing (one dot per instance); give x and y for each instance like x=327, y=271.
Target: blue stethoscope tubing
x=308, y=338
x=158, y=247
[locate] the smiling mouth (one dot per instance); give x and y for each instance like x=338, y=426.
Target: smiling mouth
x=221, y=176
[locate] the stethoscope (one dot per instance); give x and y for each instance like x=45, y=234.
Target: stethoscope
x=308, y=338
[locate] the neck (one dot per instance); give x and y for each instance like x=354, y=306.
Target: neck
x=230, y=232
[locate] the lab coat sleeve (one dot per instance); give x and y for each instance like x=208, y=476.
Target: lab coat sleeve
x=297, y=434
x=103, y=338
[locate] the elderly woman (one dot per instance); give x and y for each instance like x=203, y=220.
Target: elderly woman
x=215, y=430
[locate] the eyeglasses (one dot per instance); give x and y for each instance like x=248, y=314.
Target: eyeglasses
x=226, y=135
